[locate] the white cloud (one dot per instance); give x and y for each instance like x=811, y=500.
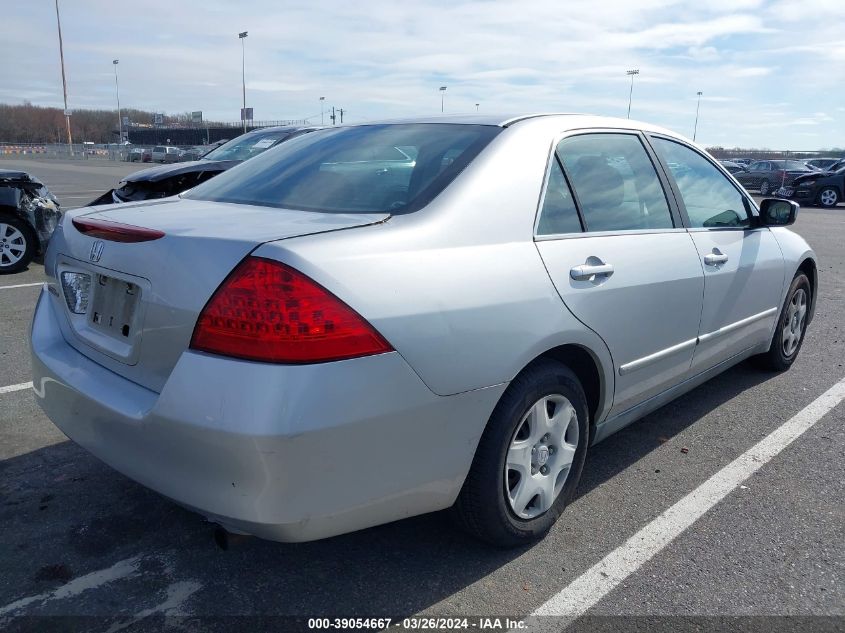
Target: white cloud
x=380, y=58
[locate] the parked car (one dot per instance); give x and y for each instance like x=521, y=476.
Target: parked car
x=192, y=153
x=825, y=189
x=769, y=175
x=169, y=180
x=29, y=214
x=731, y=166
x=741, y=161
x=136, y=155
x=165, y=154
x=300, y=347
x=821, y=164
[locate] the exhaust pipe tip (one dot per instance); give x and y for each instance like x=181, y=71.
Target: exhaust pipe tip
x=221, y=538
x=225, y=540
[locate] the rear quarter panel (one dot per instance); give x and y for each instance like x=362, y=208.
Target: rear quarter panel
x=458, y=288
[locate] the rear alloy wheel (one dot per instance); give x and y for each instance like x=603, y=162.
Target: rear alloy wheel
x=529, y=460
x=17, y=245
x=764, y=188
x=828, y=197
x=791, y=327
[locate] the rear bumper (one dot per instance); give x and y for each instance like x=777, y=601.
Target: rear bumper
x=290, y=453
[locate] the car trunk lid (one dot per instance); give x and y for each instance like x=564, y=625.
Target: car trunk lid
x=144, y=297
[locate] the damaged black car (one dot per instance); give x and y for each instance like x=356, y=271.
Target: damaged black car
x=29, y=214
x=172, y=179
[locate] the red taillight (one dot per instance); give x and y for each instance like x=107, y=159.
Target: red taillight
x=115, y=231
x=269, y=312
x=782, y=174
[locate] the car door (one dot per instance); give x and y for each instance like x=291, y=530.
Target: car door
x=620, y=259
x=742, y=262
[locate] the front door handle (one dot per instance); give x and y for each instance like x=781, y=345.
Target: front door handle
x=586, y=272
x=715, y=258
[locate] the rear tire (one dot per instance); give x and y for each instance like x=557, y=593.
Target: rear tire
x=529, y=459
x=18, y=244
x=828, y=197
x=764, y=188
x=791, y=327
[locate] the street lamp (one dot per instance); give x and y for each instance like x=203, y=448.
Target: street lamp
x=698, y=105
x=242, y=37
x=115, y=62
x=442, y=93
x=476, y=106
x=635, y=71
x=322, y=101
x=64, y=81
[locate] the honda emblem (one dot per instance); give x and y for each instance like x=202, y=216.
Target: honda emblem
x=96, y=250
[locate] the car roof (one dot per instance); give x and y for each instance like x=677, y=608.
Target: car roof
x=562, y=120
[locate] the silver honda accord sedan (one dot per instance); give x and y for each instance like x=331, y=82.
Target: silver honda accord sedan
x=375, y=321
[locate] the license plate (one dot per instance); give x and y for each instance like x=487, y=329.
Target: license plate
x=113, y=305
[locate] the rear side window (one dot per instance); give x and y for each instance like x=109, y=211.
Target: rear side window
x=362, y=169
x=709, y=197
x=558, y=213
x=615, y=182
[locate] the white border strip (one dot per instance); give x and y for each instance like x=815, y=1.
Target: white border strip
x=20, y=387
x=594, y=584
x=40, y=283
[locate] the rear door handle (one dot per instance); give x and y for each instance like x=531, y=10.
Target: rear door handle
x=715, y=258
x=585, y=272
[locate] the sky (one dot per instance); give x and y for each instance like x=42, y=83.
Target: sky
x=772, y=73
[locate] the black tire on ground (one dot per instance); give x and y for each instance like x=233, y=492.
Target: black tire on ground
x=29, y=241
x=482, y=507
x=776, y=359
x=764, y=188
x=828, y=197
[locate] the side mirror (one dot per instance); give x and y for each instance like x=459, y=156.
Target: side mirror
x=777, y=212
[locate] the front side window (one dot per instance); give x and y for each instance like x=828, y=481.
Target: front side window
x=558, y=213
x=361, y=169
x=615, y=182
x=709, y=197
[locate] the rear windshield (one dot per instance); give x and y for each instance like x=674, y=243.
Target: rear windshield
x=247, y=146
x=362, y=169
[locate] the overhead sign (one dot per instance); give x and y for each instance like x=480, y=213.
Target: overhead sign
x=246, y=114
x=159, y=118
x=126, y=121
x=196, y=117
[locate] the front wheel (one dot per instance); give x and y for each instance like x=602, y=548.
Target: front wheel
x=828, y=197
x=764, y=188
x=17, y=245
x=529, y=460
x=791, y=327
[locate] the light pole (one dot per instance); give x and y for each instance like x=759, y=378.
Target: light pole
x=64, y=81
x=242, y=37
x=698, y=105
x=115, y=62
x=635, y=71
x=476, y=106
x=442, y=94
x=322, y=101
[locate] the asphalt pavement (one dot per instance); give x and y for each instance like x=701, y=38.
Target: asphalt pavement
x=81, y=541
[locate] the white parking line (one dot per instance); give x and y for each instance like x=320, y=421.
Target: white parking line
x=594, y=584
x=38, y=283
x=18, y=387
x=177, y=594
x=120, y=569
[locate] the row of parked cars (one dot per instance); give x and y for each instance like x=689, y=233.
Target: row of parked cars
x=818, y=181
x=167, y=153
